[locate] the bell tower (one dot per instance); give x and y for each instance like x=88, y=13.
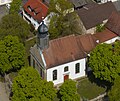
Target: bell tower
x=42, y=37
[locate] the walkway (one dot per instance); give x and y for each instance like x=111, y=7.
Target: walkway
x=3, y=95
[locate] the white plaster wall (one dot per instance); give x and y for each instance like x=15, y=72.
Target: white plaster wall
x=33, y=22
x=112, y=40
x=71, y=71
x=104, y=1
x=2, y=2
x=91, y=30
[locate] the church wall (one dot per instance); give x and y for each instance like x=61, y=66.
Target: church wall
x=70, y=72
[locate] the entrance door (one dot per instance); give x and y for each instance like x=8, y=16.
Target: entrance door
x=66, y=77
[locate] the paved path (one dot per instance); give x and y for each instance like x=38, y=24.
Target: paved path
x=3, y=95
x=3, y=11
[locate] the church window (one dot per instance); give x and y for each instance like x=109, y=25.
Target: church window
x=77, y=68
x=66, y=69
x=33, y=63
x=55, y=75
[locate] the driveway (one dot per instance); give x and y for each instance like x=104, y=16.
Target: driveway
x=3, y=95
x=3, y=11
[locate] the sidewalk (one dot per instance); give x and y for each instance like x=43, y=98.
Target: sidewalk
x=3, y=95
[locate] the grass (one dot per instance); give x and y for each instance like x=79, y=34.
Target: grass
x=89, y=90
x=29, y=44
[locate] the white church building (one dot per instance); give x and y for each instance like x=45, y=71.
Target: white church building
x=65, y=58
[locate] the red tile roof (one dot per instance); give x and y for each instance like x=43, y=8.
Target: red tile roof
x=113, y=23
x=68, y=49
x=39, y=9
x=105, y=35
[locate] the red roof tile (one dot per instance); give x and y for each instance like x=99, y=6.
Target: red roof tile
x=105, y=35
x=67, y=49
x=39, y=9
x=113, y=23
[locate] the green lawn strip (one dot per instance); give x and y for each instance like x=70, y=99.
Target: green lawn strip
x=28, y=45
x=89, y=90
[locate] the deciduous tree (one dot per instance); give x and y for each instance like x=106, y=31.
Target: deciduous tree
x=15, y=6
x=11, y=54
x=13, y=24
x=64, y=20
x=104, y=62
x=28, y=86
x=68, y=91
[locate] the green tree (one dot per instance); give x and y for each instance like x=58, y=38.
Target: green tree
x=63, y=22
x=68, y=91
x=114, y=93
x=11, y=54
x=15, y=6
x=104, y=62
x=13, y=24
x=28, y=86
x=100, y=28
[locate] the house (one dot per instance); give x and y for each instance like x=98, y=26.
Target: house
x=34, y=11
x=80, y=3
x=113, y=23
x=59, y=59
x=104, y=1
x=94, y=14
x=106, y=36
x=3, y=2
x=117, y=5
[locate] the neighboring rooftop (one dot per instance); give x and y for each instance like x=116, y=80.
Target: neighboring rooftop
x=113, y=23
x=104, y=35
x=36, y=9
x=117, y=5
x=66, y=49
x=95, y=14
x=79, y=3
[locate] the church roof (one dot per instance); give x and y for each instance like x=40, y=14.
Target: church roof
x=66, y=49
x=42, y=28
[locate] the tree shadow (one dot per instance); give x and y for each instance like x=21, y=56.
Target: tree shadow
x=97, y=81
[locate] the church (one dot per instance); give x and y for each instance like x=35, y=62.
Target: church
x=60, y=59
x=65, y=58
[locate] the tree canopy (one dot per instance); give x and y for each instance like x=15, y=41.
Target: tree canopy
x=11, y=54
x=114, y=93
x=68, y=91
x=28, y=86
x=15, y=6
x=104, y=62
x=13, y=24
x=64, y=21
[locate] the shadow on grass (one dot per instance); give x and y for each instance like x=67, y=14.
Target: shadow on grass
x=101, y=83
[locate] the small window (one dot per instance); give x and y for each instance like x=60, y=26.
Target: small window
x=55, y=75
x=33, y=63
x=66, y=69
x=77, y=68
x=29, y=8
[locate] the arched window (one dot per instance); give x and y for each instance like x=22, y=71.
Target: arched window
x=77, y=68
x=55, y=75
x=66, y=69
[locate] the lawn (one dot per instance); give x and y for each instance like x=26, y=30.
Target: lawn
x=89, y=90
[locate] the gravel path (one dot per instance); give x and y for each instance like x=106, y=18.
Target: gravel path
x=3, y=95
